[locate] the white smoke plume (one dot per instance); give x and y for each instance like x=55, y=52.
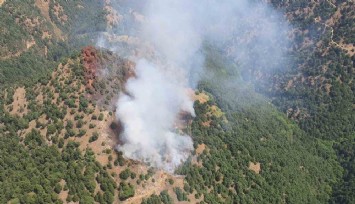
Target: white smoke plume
x=178, y=30
x=148, y=115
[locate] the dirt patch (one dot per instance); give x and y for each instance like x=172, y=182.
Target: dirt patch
x=348, y=48
x=46, y=35
x=31, y=23
x=19, y=106
x=43, y=6
x=31, y=43
x=59, y=13
x=63, y=194
x=160, y=184
x=31, y=125
x=201, y=97
x=327, y=88
x=1, y=2
x=112, y=17
x=335, y=18
x=207, y=123
x=255, y=167
x=200, y=148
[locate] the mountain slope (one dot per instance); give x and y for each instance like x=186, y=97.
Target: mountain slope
x=244, y=153
x=279, y=133
x=36, y=34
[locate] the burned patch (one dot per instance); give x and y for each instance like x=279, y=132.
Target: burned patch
x=105, y=75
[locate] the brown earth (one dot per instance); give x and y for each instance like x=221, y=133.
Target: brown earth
x=200, y=148
x=201, y=97
x=255, y=167
x=19, y=105
x=63, y=194
x=59, y=13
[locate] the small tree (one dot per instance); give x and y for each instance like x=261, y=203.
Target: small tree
x=94, y=137
x=125, y=174
x=101, y=117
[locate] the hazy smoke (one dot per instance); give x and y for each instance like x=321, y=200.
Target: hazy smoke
x=178, y=30
x=148, y=116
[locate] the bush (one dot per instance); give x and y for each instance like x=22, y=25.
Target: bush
x=101, y=117
x=125, y=174
x=126, y=191
x=94, y=137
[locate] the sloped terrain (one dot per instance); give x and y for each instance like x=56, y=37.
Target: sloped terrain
x=69, y=113
x=36, y=34
x=71, y=116
x=286, y=137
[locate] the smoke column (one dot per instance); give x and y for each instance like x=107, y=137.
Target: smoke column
x=148, y=117
x=178, y=30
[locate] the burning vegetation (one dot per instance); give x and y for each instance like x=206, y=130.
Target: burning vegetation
x=91, y=63
x=105, y=74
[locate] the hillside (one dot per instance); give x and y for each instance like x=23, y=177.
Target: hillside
x=69, y=114
x=263, y=133
x=317, y=91
x=36, y=34
x=67, y=120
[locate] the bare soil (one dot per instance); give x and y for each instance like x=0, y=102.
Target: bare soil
x=255, y=167
x=19, y=106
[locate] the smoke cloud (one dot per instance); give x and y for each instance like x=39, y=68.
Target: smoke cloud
x=148, y=115
x=249, y=32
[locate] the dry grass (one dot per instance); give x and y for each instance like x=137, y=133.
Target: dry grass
x=161, y=183
x=59, y=13
x=19, y=105
x=255, y=167
x=63, y=194
x=214, y=110
x=200, y=148
x=201, y=97
x=1, y=2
